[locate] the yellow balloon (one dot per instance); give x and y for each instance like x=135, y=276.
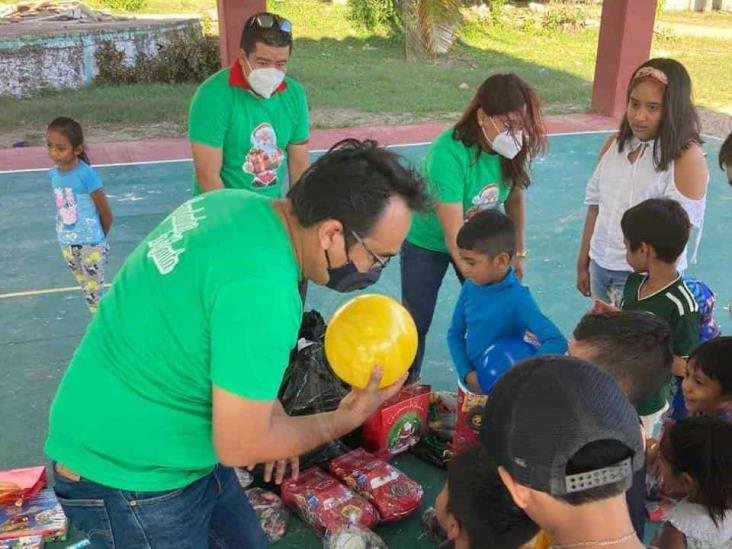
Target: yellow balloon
x=370, y=330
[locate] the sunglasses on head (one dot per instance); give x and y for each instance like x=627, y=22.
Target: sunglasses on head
x=269, y=20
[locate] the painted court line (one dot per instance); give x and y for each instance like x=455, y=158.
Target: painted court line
x=139, y=163
x=148, y=162
x=314, y=151
x=31, y=293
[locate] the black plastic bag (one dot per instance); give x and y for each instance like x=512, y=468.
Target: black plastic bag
x=309, y=386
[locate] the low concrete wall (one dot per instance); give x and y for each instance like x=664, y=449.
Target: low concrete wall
x=698, y=5
x=65, y=58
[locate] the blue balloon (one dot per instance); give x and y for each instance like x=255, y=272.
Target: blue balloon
x=499, y=357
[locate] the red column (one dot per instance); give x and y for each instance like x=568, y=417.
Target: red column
x=626, y=33
x=232, y=14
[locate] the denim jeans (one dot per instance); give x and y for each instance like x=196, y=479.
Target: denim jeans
x=422, y=272
x=607, y=285
x=211, y=512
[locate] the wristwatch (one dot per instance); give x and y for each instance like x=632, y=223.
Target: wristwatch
x=523, y=254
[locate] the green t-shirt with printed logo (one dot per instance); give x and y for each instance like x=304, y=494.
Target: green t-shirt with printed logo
x=210, y=297
x=456, y=175
x=252, y=132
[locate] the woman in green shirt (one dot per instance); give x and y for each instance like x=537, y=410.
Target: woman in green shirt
x=481, y=162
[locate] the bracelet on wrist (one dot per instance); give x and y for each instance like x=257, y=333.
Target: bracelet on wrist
x=522, y=254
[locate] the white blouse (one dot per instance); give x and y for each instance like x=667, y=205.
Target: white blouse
x=694, y=522
x=618, y=185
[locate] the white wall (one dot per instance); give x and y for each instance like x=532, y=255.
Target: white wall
x=66, y=60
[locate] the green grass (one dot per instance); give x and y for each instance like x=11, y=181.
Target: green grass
x=708, y=61
x=119, y=109
x=711, y=19
x=361, y=75
x=166, y=6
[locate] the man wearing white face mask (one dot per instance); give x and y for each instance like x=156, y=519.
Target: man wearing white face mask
x=250, y=121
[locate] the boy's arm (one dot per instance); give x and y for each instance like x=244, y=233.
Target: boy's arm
x=456, y=339
x=685, y=339
x=532, y=319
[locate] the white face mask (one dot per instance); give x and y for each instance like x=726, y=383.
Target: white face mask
x=264, y=81
x=508, y=144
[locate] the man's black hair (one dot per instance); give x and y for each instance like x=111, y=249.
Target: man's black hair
x=273, y=36
x=353, y=183
x=597, y=455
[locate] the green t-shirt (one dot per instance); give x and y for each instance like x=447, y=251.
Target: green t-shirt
x=676, y=305
x=208, y=298
x=252, y=132
x=454, y=175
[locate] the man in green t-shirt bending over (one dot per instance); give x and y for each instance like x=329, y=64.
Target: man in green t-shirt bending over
x=176, y=378
x=249, y=121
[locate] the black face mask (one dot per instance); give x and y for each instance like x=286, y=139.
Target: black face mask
x=348, y=278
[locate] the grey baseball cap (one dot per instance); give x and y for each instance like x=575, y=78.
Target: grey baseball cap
x=544, y=410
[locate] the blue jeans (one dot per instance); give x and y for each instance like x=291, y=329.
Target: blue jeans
x=211, y=512
x=607, y=285
x=422, y=272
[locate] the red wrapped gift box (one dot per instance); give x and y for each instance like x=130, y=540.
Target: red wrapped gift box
x=17, y=485
x=469, y=417
x=393, y=493
x=399, y=423
x=326, y=504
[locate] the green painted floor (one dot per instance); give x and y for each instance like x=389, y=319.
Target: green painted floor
x=39, y=333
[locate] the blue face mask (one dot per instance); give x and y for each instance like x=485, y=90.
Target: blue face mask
x=348, y=278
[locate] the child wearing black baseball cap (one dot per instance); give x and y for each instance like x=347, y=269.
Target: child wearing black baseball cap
x=567, y=442
x=634, y=347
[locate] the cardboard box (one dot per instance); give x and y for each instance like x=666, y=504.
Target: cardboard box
x=399, y=423
x=470, y=408
x=39, y=516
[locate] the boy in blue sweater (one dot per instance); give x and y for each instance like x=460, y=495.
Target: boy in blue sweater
x=493, y=304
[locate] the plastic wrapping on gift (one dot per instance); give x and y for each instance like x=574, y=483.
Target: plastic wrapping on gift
x=705, y=298
x=353, y=537
x=393, y=493
x=309, y=386
x=325, y=504
x=432, y=526
x=435, y=446
x=271, y=511
x=470, y=407
x=244, y=477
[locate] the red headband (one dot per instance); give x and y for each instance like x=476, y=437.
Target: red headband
x=652, y=73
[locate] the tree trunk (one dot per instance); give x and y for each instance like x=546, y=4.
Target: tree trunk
x=412, y=43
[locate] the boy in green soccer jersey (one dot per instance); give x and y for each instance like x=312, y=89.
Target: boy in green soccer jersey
x=656, y=232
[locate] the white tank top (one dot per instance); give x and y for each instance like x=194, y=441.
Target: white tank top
x=618, y=185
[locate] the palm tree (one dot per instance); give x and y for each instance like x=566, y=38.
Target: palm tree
x=429, y=26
